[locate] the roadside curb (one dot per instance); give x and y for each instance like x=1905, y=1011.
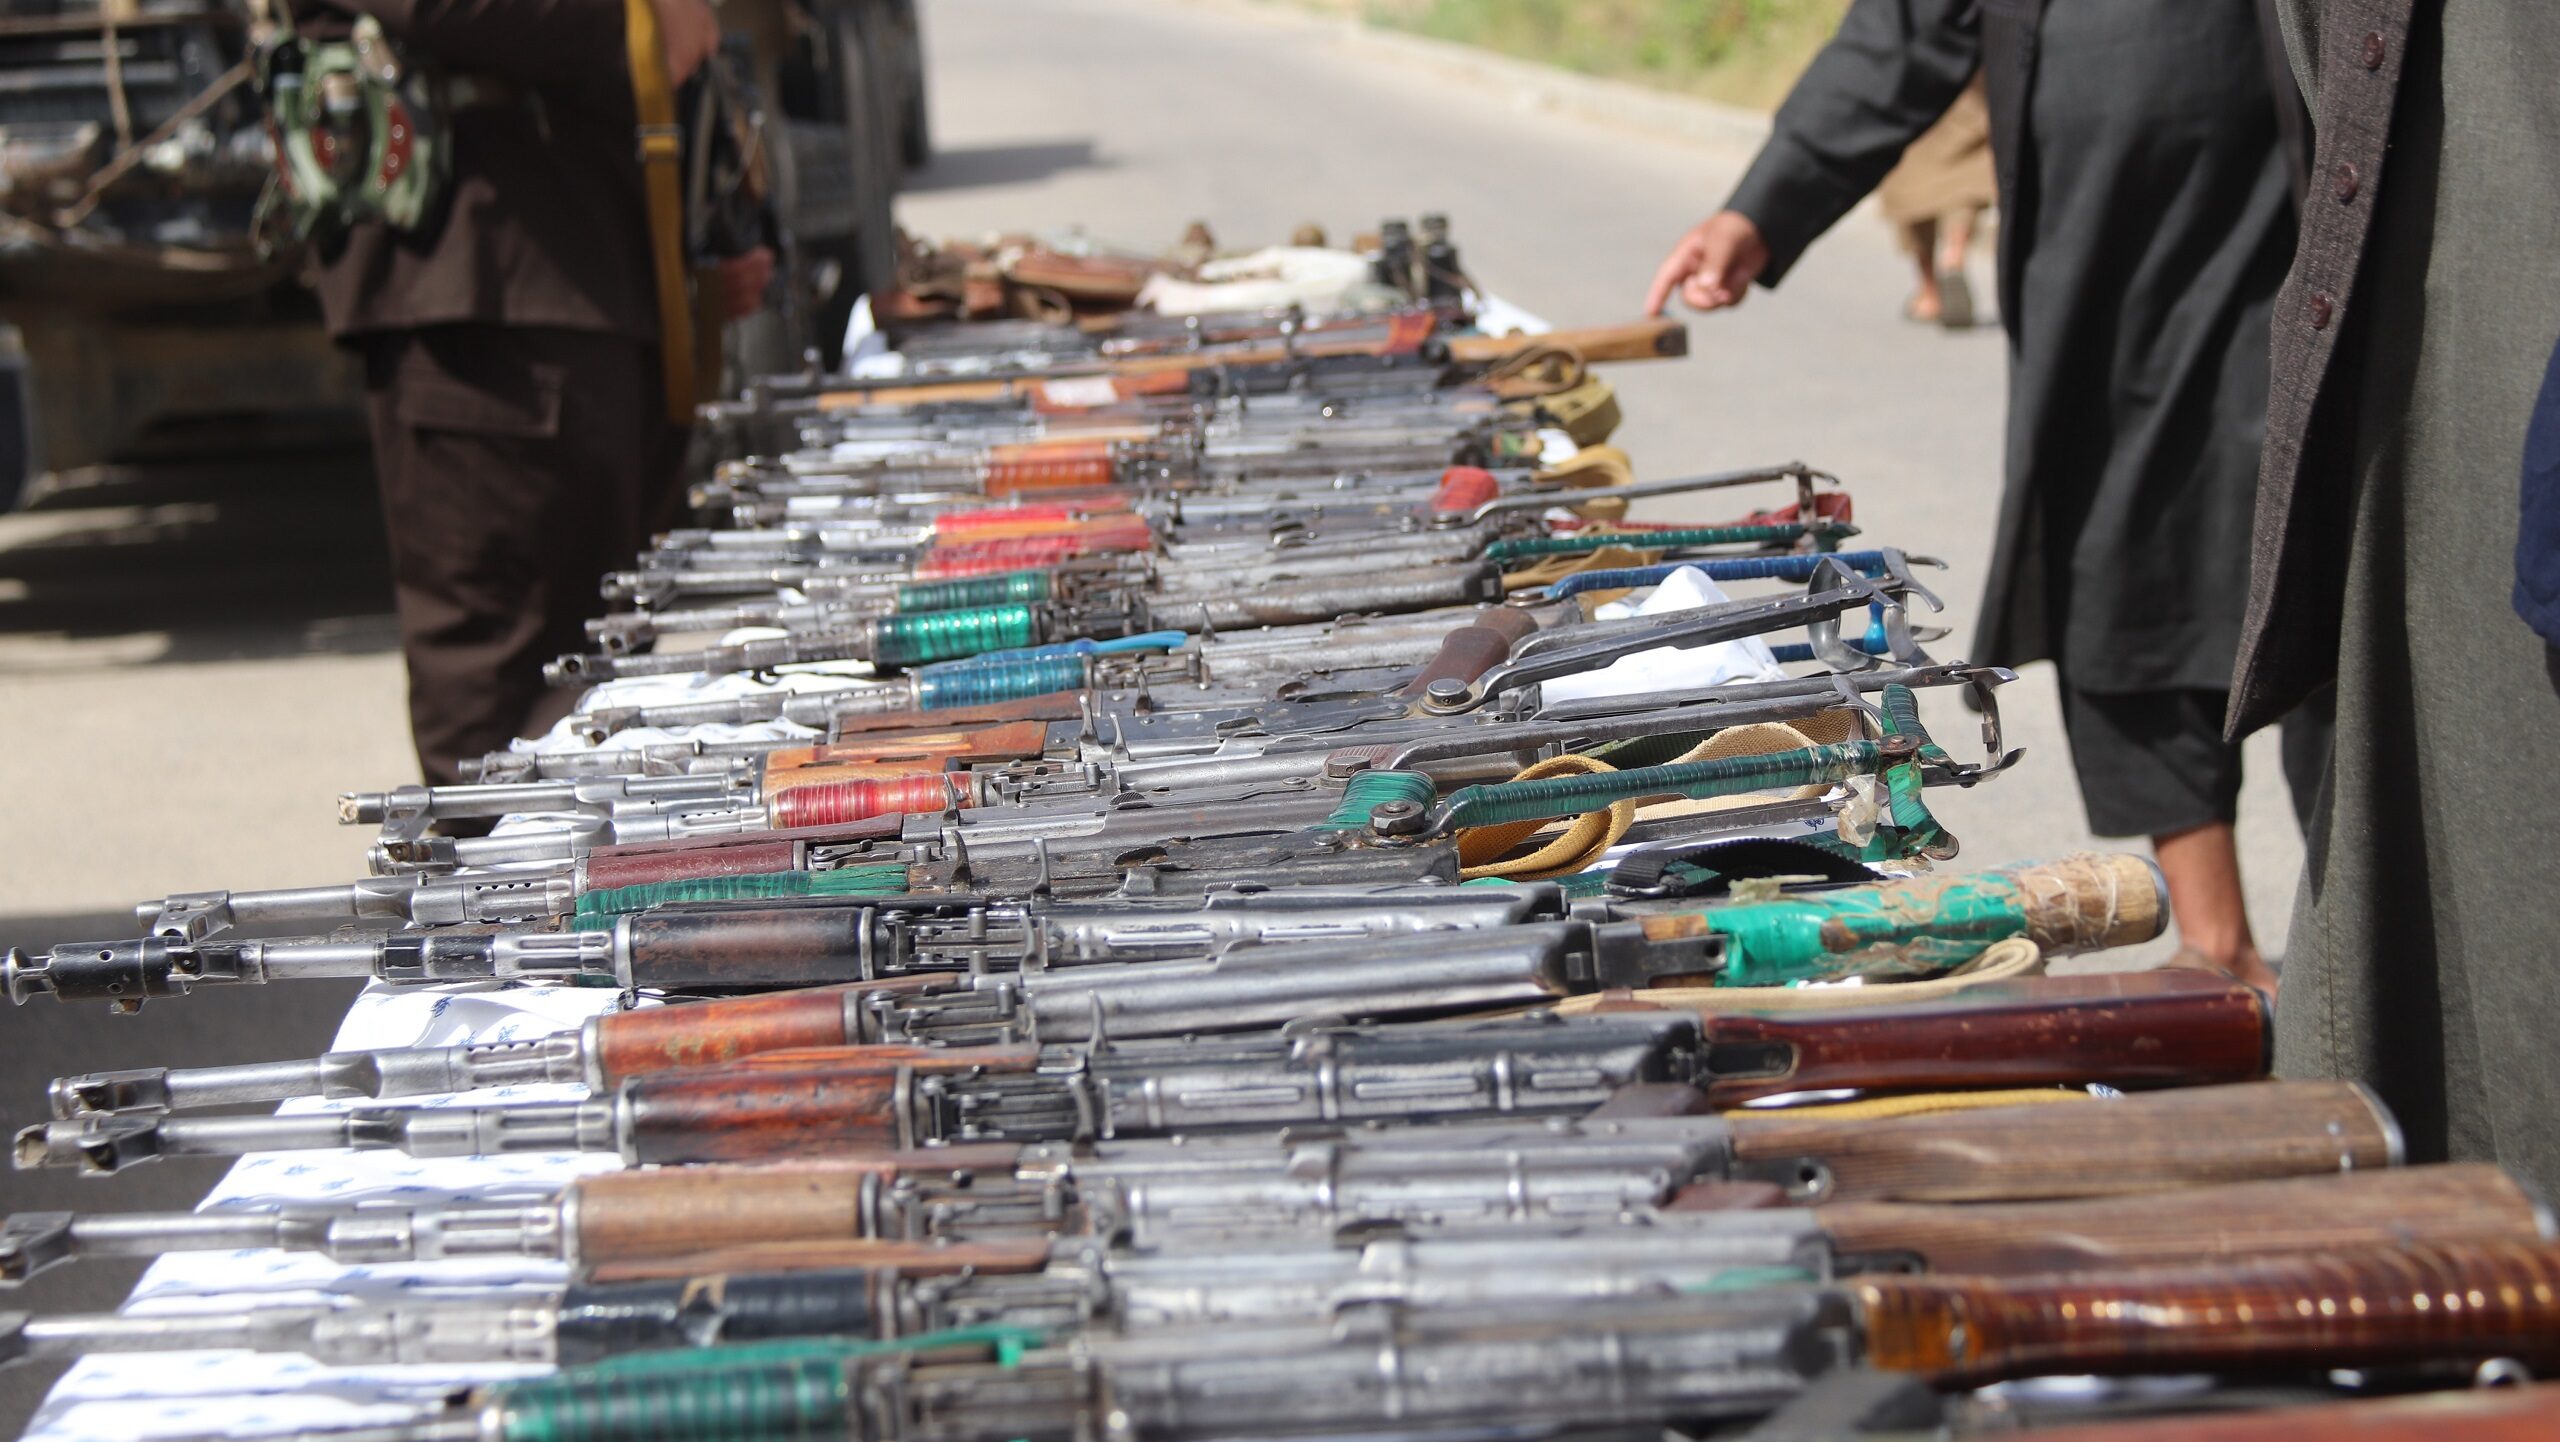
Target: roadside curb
x=1530, y=86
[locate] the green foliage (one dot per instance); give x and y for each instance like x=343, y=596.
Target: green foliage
x=1744, y=51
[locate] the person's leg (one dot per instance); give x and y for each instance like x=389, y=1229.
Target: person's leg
x=1955, y=239
x=2154, y=764
x=1920, y=240
x=511, y=475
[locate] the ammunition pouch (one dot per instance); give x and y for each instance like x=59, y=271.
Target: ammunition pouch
x=361, y=136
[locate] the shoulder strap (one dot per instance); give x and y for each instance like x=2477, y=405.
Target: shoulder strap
x=661, y=157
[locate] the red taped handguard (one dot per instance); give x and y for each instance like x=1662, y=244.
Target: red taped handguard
x=1007, y=518
x=1463, y=488
x=832, y=803
x=1112, y=535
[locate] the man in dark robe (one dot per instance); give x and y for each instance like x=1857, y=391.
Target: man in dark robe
x=2146, y=219
x=2410, y=340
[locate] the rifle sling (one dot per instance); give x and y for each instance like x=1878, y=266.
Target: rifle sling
x=661, y=160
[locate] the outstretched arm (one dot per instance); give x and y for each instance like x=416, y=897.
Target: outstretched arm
x=1891, y=71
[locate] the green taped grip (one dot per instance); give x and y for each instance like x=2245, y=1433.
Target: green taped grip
x=1916, y=828
x=917, y=638
x=798, y=1391
x=1510, y=801
x=801, y=1399
x=1518, y=548
x=597, y=910
x=1370, y=790
x=1893, y=929
x=968, y=592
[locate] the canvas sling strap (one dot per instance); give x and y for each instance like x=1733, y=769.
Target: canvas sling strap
x=662, y=177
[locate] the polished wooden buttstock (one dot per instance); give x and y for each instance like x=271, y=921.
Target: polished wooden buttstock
x=2341, y=1309
x=2430, y=1205
x=2502, y=1414
x=631, y=1218
x=2153, y=1142
x=2130, y=1029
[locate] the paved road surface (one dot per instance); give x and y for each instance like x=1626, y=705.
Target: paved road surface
x=192, y=671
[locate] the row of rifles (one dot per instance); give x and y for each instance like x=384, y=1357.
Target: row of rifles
x=1146, y=898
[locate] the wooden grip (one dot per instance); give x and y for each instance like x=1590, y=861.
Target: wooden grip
x=1654, y=339
x=2155, y=1142
x=787, y=1104
x=1473, y=649
x=617, y=1218
x=608, y=867
x=2421, y=1205
x=2131, y=1029
x=766, y=947
x=2397, y=1305
x=711, y=1033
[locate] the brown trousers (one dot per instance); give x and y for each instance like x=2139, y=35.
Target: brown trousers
x=517, y=466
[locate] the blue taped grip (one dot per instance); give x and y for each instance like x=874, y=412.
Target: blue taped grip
x=1081, y=646
x=985, y=683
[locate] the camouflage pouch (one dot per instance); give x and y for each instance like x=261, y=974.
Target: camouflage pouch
x=360, y=135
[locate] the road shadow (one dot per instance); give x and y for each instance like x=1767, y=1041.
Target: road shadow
x=972, y=167
x=51, y=1039
x=280, y=554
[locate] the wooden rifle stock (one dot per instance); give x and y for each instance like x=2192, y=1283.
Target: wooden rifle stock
x=2346, y=1309
x=2422, y=1205
x=621, y=1221
x=2155, y=1142
x=787, y=1104
x=2506, y=1414
x=755, y=853
x=1653, y=339
x=2136, y=1029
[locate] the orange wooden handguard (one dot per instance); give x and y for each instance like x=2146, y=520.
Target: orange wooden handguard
x=2347, y=1309
x=633, y=1216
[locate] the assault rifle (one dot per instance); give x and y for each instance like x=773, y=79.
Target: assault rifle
x=720, y=947
x=781, y=1104
x=895, y=855
x=1692, y=1360
x=1305, y=1181
x=903, y=1290
x=1438, y=701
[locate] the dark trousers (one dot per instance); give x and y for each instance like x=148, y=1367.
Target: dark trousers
x=517, y=467
x=2154, y=763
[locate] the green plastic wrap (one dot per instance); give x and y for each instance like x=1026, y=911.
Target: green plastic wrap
x=912, y=639
x=597, y=910
x=1508, y=801
x=1894, y=929
x=967, y=592
x=1369, y=790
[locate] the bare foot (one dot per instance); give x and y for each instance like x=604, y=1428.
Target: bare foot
x=1926, y=306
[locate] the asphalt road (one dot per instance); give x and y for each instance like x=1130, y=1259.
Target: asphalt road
x=192, y=670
